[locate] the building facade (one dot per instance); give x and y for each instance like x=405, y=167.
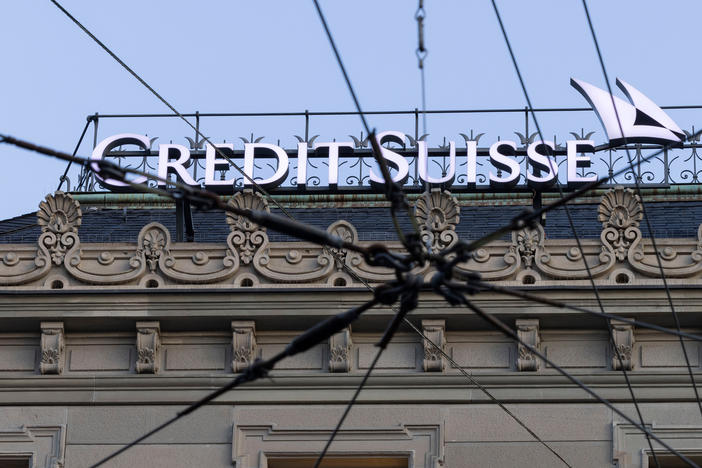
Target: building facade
x=108, y=327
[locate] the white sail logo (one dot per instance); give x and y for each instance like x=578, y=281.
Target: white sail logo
x=642, y=121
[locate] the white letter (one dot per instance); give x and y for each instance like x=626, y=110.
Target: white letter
x=424, y=165
x=110, y=143
x=471, y=162
x=393, y=159
x=574, y=161
x=334, y=158
x=213, y=163
x=503, y=162
x=280, y=174
x=165, y=166
x=302, y=165
x=537, y=157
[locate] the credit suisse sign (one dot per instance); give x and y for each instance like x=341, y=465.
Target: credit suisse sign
x=637, y=121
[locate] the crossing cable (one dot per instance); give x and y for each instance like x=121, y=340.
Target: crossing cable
x=393, y=192
x=390, y=187
x=485, y=391
x=507, y=331
x=482, y=285
x=395, y=195
x=207, y=200
x=118, y=172
x=643, y=206
x=215, y=148
x=172, y=108
x=260, y=368
x=574, y=230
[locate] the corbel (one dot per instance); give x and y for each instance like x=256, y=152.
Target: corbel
x=148, y=347
x=243, y=344
x=433, y=330
x=52, y=348
x=528, y=331
x=340, y=351
x=623, y=340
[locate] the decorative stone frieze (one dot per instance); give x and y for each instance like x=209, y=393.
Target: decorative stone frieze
x=528, y=331
x=246, y=236
x=438, y=214
x=148, y=347
x=623, y=341
x=340, y=351
x=620, y=254
x=433, y=361
x=243, y=344
x=52, y=348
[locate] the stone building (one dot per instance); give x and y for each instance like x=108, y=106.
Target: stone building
x=108, y=327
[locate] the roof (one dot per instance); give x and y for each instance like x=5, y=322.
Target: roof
x=669, y=219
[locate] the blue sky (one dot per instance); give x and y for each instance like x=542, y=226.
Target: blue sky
x=234, y=56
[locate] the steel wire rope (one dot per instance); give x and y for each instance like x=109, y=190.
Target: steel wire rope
x=643, y=209
x=395, y=196
x=385, y=173
x=393, y=192
x=147, y=85
x=572, y=225
x=507, y=331
x=172, y=108
x=487, y=286
x=87, y=164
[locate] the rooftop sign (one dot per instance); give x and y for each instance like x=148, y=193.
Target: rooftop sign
x=532, y=164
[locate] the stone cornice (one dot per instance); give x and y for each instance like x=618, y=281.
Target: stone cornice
x=432, y=388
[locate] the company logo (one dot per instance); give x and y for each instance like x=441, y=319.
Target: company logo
x=642, y=121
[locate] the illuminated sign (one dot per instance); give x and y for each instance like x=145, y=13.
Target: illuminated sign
x=641, y=121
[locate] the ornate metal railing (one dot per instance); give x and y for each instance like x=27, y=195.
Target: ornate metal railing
x=682, y=165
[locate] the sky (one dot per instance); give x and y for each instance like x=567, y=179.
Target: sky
x=272, y=56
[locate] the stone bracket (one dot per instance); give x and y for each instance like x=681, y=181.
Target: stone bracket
x=340, y=351
x=623, y=337
x=148, y=347
x=528, y=331
x=52, y=348
x=433, y=330
x=243, y=344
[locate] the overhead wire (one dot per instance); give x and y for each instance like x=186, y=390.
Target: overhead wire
x=114, y=56
x=643, y=208
x=507, y=331
x=572, y=226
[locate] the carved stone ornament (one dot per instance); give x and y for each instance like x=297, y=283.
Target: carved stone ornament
x=59, y=216
x=148, y=347
x=340, y=351
x=528, y=331
x=623, y=341
x=347, y=232
x=52, y=348
x=620, y=212
x=153, y=244
x=433, y=359
x=243, y=344
x=246, y=236
x=437, y=214
x=527, y=243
